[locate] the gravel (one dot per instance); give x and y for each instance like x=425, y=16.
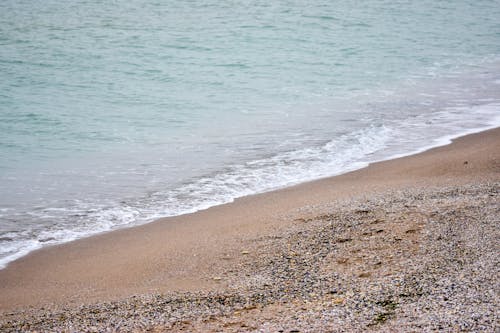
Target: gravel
x=419, y=259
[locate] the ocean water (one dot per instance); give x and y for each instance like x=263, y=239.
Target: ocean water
x=116, y=113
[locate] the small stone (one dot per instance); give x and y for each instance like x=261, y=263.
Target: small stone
x=344, y=240
x=338, y=300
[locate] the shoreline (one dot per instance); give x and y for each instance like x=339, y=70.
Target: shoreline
x=193, y=253
x=443, y=141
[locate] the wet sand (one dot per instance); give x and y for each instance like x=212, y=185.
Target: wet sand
x=406, y=244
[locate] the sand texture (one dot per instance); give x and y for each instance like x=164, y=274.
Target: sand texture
x=404, y=245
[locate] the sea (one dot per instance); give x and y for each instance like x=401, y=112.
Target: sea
x=116, y=113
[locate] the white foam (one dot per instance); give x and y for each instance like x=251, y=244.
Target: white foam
x=489, y=116
x=17, y=250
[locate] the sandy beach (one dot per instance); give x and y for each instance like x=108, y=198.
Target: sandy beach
x=409, y=244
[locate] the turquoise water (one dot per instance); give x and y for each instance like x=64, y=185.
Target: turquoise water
x=114, y=114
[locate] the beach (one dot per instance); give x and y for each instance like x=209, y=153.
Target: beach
x=408, y=244
x=249, y=167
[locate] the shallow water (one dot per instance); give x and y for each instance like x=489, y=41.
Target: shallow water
x=114, y=114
